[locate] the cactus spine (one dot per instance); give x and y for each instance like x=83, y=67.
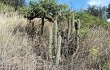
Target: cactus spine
x=55, y=35
x=58, y=51
x=50, y=43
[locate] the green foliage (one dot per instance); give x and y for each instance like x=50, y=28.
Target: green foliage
x=4, y=8
x=104, y=61
x=94, y=52
x=108, y=11
x=84, y=33
x=97, y=11
x=14, y=3
x=46, y=9
x=88, y=20
x=23, y=10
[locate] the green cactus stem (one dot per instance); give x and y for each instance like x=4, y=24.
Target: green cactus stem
x=50, y=43
x=69, y=27
x=58, y=51
x=55, y=35
x=77, y=27
x=77, y=24
x=72, y=23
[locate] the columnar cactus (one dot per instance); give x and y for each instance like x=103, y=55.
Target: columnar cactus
x=72, y=23
x=55, y=35
x=58, y=51
x=50, y=43
x=77, y=24
x=77, y=27
x=69, y=27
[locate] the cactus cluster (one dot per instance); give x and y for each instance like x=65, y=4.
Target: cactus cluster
x=73, y=25
x=57, y=43
x=55, y=38
x=70, y=21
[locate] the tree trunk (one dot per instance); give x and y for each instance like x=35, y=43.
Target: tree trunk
x=42, y=26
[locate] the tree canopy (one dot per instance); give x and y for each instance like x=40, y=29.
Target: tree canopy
x=108, y=11
x=97, y=11
x=47, y=9
x=14, y=3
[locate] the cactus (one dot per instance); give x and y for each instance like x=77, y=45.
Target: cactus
x=72, y=23
x=77, y=27
x=57, y=44
x=50, y=43
x=69, y=25
x=58, y=51
x=55, y=35
x=77, y=24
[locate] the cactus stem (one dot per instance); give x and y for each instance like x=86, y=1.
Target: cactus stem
x=58, y=51
x=55, y=35
x=50, y=43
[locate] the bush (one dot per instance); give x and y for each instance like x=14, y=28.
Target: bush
x=89, y=21
x=4, y=8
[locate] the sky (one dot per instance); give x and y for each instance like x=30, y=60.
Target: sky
x=82, y=4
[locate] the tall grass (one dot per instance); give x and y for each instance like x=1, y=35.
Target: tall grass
x=15, y=50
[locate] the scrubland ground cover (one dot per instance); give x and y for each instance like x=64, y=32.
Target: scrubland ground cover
x=22, y=47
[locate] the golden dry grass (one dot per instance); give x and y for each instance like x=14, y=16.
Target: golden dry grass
x=15, y=50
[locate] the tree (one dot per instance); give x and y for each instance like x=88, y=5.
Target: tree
x=97, y=11
x=108, y=11
x=14, y=3
x=44, y=9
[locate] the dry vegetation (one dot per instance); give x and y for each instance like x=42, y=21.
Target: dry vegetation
x=19, y=52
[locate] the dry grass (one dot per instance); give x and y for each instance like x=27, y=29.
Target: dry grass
x=18, y=52
x=15, y=50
